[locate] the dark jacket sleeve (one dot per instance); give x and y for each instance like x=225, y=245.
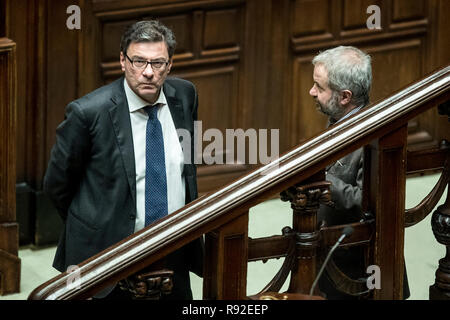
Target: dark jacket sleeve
x=347, y=195
x=346, y=177
x=67, y=159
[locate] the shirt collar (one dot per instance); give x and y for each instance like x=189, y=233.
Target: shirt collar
x=136, y=103
x=351, y=112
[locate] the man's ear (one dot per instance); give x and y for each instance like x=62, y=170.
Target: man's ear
x=122, y=60
x=169, y=66
x=346, y=97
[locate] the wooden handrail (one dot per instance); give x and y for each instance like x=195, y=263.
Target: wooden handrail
x=215, y=209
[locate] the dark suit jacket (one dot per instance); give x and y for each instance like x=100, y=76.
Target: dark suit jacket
x=91, y=175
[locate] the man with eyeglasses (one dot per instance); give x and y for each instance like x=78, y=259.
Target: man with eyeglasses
x=118, y=166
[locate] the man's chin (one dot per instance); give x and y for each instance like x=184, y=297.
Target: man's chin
x=321, y=109
x=149, y=95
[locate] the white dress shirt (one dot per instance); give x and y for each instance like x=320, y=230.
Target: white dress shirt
x=173, y=153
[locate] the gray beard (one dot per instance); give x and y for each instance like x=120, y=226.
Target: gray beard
x=332, y=108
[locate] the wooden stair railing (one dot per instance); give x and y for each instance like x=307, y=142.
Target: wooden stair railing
x=418, y=161
x=223, y=215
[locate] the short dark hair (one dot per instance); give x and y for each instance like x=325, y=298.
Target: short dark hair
x=148, y=31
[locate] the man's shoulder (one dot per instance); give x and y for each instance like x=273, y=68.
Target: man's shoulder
x=102, y=96
x=180, y=84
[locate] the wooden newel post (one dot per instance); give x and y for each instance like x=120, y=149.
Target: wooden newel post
x=305, y=201
x=440, y=223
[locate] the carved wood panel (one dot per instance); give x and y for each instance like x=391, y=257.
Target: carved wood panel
x=404, y=10
x=7, y=130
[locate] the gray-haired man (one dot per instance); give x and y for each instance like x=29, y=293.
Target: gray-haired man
x=118, y=165
x=342, y=82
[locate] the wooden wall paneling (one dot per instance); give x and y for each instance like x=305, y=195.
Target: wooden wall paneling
x=57, y=73
x=312, y=21
x=404, y=10
x=214, y=70
x=47, y=73
x=222, y=29
x=24, y=27
x=89, y=74
x=7, y=130
x=405, y=57
x=61, y=55
x=218, y=104
x=9, y=233
x=37, y=104
x=354, y=18
x=437, y=56
x=110, y=5
x=254, y=64
x=276, y=97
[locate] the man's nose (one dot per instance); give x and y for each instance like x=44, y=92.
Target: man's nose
x=148, y=71
x=312, y=91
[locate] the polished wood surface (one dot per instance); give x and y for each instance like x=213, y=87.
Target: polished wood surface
x=305, y=200
x=9, y=232
x=387, y=201
x=225, y=265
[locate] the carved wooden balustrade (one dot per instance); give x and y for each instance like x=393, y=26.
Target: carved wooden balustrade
x=299, y=176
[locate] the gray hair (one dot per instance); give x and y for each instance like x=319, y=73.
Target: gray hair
x=348, y=69
x=148, y=31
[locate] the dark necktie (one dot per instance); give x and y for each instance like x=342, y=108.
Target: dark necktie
x=155, y=169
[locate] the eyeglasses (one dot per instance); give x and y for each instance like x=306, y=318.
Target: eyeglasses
x=157, y=65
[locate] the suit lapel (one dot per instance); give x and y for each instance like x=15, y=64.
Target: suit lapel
x=175, y=106
x=120, y=117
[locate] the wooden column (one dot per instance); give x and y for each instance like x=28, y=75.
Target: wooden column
x=305, y=201
x=225, y=268
x=387, y=200
x=9, y=229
